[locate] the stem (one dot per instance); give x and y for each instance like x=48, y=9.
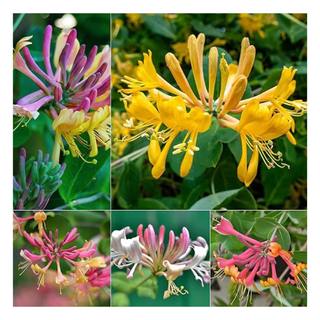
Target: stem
x=17, y=22
x=142, y=282
x=279, y=221
x=131, y=156
x=83, y=200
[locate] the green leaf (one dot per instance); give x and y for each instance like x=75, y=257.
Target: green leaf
x=208, y=30
x=120, y=299
x=148, y=203
x=175, y=159
x=78, y=174
x=243, y=200
x=297, y=214
x=158, y=25
x=284, y=238
x=129, y=184
x=295, y=29
x=210, y=149
x=104, y=246
x=215, y=200
x=265, y=227
x=147, y=292
x=145, y=285
x=20, y=136
x=120, y=282
x=300, y=256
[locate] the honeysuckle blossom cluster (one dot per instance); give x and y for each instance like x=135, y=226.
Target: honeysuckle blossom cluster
x=257, y=263
x=90, y=272
x=165, y=110
x=75, y=93
x=169, y=260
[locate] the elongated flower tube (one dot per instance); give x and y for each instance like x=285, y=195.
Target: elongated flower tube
x=78, y=88
x=257, y=127
x=276, y=98
x=35, y=181
x=149, y=80
x=53, y=251
x=259, y=260
x=149, y=250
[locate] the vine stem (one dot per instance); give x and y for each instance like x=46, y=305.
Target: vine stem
x=142, y=282
x=83, y=200
x=17, y=22
x=132, y=156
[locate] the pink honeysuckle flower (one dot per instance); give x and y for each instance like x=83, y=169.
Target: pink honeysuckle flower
x=53, y=251
x=76, y=82
x=149, y=250
x=90, y=275
x=77, y=76
x=18, y=225
x=258, y=260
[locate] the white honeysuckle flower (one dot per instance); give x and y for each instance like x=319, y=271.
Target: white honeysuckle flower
x=125, y=252
x=116, y=237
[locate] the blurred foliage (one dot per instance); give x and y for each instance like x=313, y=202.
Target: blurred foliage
x=212, y=183
x=260, y=225
x=88, y=182
x=145, y=289
x=91, y=225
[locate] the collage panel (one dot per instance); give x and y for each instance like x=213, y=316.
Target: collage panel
x=61, y=258
x=160, y=258
x=61, y=92
x=259, y=258
x=209, y=111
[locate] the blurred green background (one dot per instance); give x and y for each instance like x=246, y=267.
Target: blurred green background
x=198, y=225
x=280, y=40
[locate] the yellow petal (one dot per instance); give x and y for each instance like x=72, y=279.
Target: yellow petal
x=291, y=138
x=142, y=109
x=242, y=167
x=253, y=166
x=159, y=168
x=234, y=96
x=154, y=151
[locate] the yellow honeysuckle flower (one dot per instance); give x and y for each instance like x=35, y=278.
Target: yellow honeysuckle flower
x=251, y=23
x=257, y=127
x=181, y=51
x=98, y=129
x=142, y=109
x=174, y=115
x=277, y=97
x=120, y=132
x=69, y=124
x=147, y=78
x=134, y=20
x=40, y=273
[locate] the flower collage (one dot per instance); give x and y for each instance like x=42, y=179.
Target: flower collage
x=160, y=160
